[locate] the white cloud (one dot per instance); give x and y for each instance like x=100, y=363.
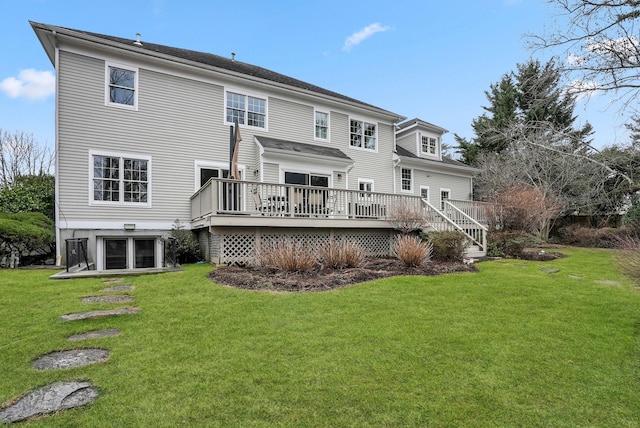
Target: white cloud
x=360, y=36
x=30, y=84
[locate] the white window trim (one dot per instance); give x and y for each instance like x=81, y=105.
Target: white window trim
x=121, y=202
x=100, y=253
x=213, y=165
x=443, y=189
x=246, y=93
x=428, y=192
x=327, y=112
x=107, y=82
x=368, y=181
x=412, y=179
x=363, y=120
x=431, y=155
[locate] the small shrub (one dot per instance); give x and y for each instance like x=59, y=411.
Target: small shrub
x=604, y=237
x=448, y=246
x=412, y=250
x=286, y=255
x=187, y=246
x=341, y=254
x=507, y=243
x=628, y=255
x=407, y=218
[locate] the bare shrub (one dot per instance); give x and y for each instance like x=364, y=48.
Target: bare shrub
x=341, y=254
x=407, y=217
x=628, y=256
x=525, y=208
x=412, y=251
x=286, y=255
x=604, y=237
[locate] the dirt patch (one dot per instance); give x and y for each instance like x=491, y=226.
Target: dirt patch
x=253, y=278
x=540, y=255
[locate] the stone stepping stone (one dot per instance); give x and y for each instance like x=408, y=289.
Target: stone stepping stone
x=576, y=276
x=99, y=314
x=550, y=270
x=96, y=334
x=113, y=280
x=70, y=359
x=118, y=288
x=111, y=298
x=608, y=282
x=48, y=399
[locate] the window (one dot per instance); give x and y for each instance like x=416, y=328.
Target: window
x=247, y=110
x=430, y=145
x=120, y=179
x=122, y=82
x=363, y=135
x=322, y=125
x=128, y=252
x=365, y=185
x=424, y=192
x=444, y=195
x=406, y=179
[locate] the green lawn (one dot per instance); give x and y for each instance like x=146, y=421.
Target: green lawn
x=508, y=346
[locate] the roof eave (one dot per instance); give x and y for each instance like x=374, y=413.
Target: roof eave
x=55, y=31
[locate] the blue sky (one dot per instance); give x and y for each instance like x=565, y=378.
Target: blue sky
x=427, y=59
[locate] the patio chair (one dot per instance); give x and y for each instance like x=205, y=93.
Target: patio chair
x=257, y=201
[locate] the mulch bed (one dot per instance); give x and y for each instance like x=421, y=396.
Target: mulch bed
x=253, y=278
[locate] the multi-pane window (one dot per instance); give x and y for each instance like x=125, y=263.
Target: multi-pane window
x=246, y=109
x=362, y=134
x=322, y=125
x=120, y=179
x=122, y=86
x=406, y=179
x=444, y=195
x=429, y=145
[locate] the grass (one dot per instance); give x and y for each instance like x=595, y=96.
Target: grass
x=508, y=346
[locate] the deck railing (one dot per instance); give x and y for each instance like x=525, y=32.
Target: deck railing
x=453, y=218
x=225, y=196
x=479, y=211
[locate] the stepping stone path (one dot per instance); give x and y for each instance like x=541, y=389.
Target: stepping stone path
x=576, y=276
x=49, y=399
x=550, y=270
x=70, y=359
x=67, y=395
x=96, y=334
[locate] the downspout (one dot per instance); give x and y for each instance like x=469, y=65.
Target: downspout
x=396, y=161
x=57, y=151
x=395, y=158
x=346, y=173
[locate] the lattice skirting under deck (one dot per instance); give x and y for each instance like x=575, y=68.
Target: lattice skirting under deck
x=239, y=245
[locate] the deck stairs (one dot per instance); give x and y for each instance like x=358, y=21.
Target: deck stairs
x=452, y=217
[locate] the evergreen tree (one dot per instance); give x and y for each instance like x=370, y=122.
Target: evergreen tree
x=527, y=98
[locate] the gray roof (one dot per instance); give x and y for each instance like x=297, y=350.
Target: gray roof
x=424, y=123
x=401, y=151
x=301, y=148
x=212, y=60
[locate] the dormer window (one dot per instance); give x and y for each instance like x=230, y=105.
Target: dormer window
x=429, y=145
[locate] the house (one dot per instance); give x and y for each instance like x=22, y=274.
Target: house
x=143, y=139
